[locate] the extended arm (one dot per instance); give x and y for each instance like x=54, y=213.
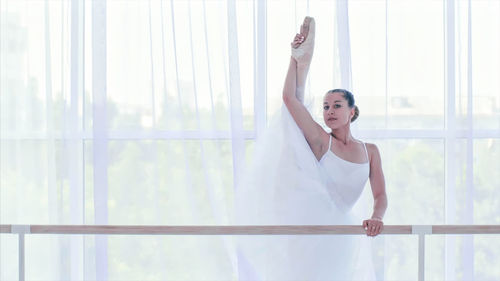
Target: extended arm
x=293, y=90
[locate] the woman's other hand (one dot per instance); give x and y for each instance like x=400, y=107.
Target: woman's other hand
x=373, y=226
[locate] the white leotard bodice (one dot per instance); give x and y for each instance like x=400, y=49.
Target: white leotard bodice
x=345, y=180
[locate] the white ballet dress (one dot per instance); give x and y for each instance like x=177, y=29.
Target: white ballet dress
x=287, y=185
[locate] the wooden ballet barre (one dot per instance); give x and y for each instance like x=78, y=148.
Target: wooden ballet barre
x=421, y=230
x=247, y=229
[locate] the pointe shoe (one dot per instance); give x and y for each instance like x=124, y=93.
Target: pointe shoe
x=303, y=52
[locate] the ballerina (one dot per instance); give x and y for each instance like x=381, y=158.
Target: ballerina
x=303, y=175
x=339, y=111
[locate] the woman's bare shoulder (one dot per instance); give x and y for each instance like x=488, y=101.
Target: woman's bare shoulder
x=371, y=146
x=373, y=151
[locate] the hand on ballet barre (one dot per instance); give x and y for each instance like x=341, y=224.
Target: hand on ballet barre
x=373, y=226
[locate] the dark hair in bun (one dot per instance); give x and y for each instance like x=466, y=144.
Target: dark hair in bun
x=356, y=113
x=350, y=101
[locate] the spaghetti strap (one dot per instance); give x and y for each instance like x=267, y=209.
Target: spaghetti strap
x=366, y=151
x=330, y=142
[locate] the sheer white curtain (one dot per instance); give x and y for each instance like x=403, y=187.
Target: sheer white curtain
x=145, y=112
x=119, y=112
x=423, y=72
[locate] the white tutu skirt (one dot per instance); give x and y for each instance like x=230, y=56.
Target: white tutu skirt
x=285, y=186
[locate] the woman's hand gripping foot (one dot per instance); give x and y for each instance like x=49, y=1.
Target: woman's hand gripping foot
x=303, y=43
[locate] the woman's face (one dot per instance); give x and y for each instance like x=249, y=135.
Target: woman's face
x=336, y=111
